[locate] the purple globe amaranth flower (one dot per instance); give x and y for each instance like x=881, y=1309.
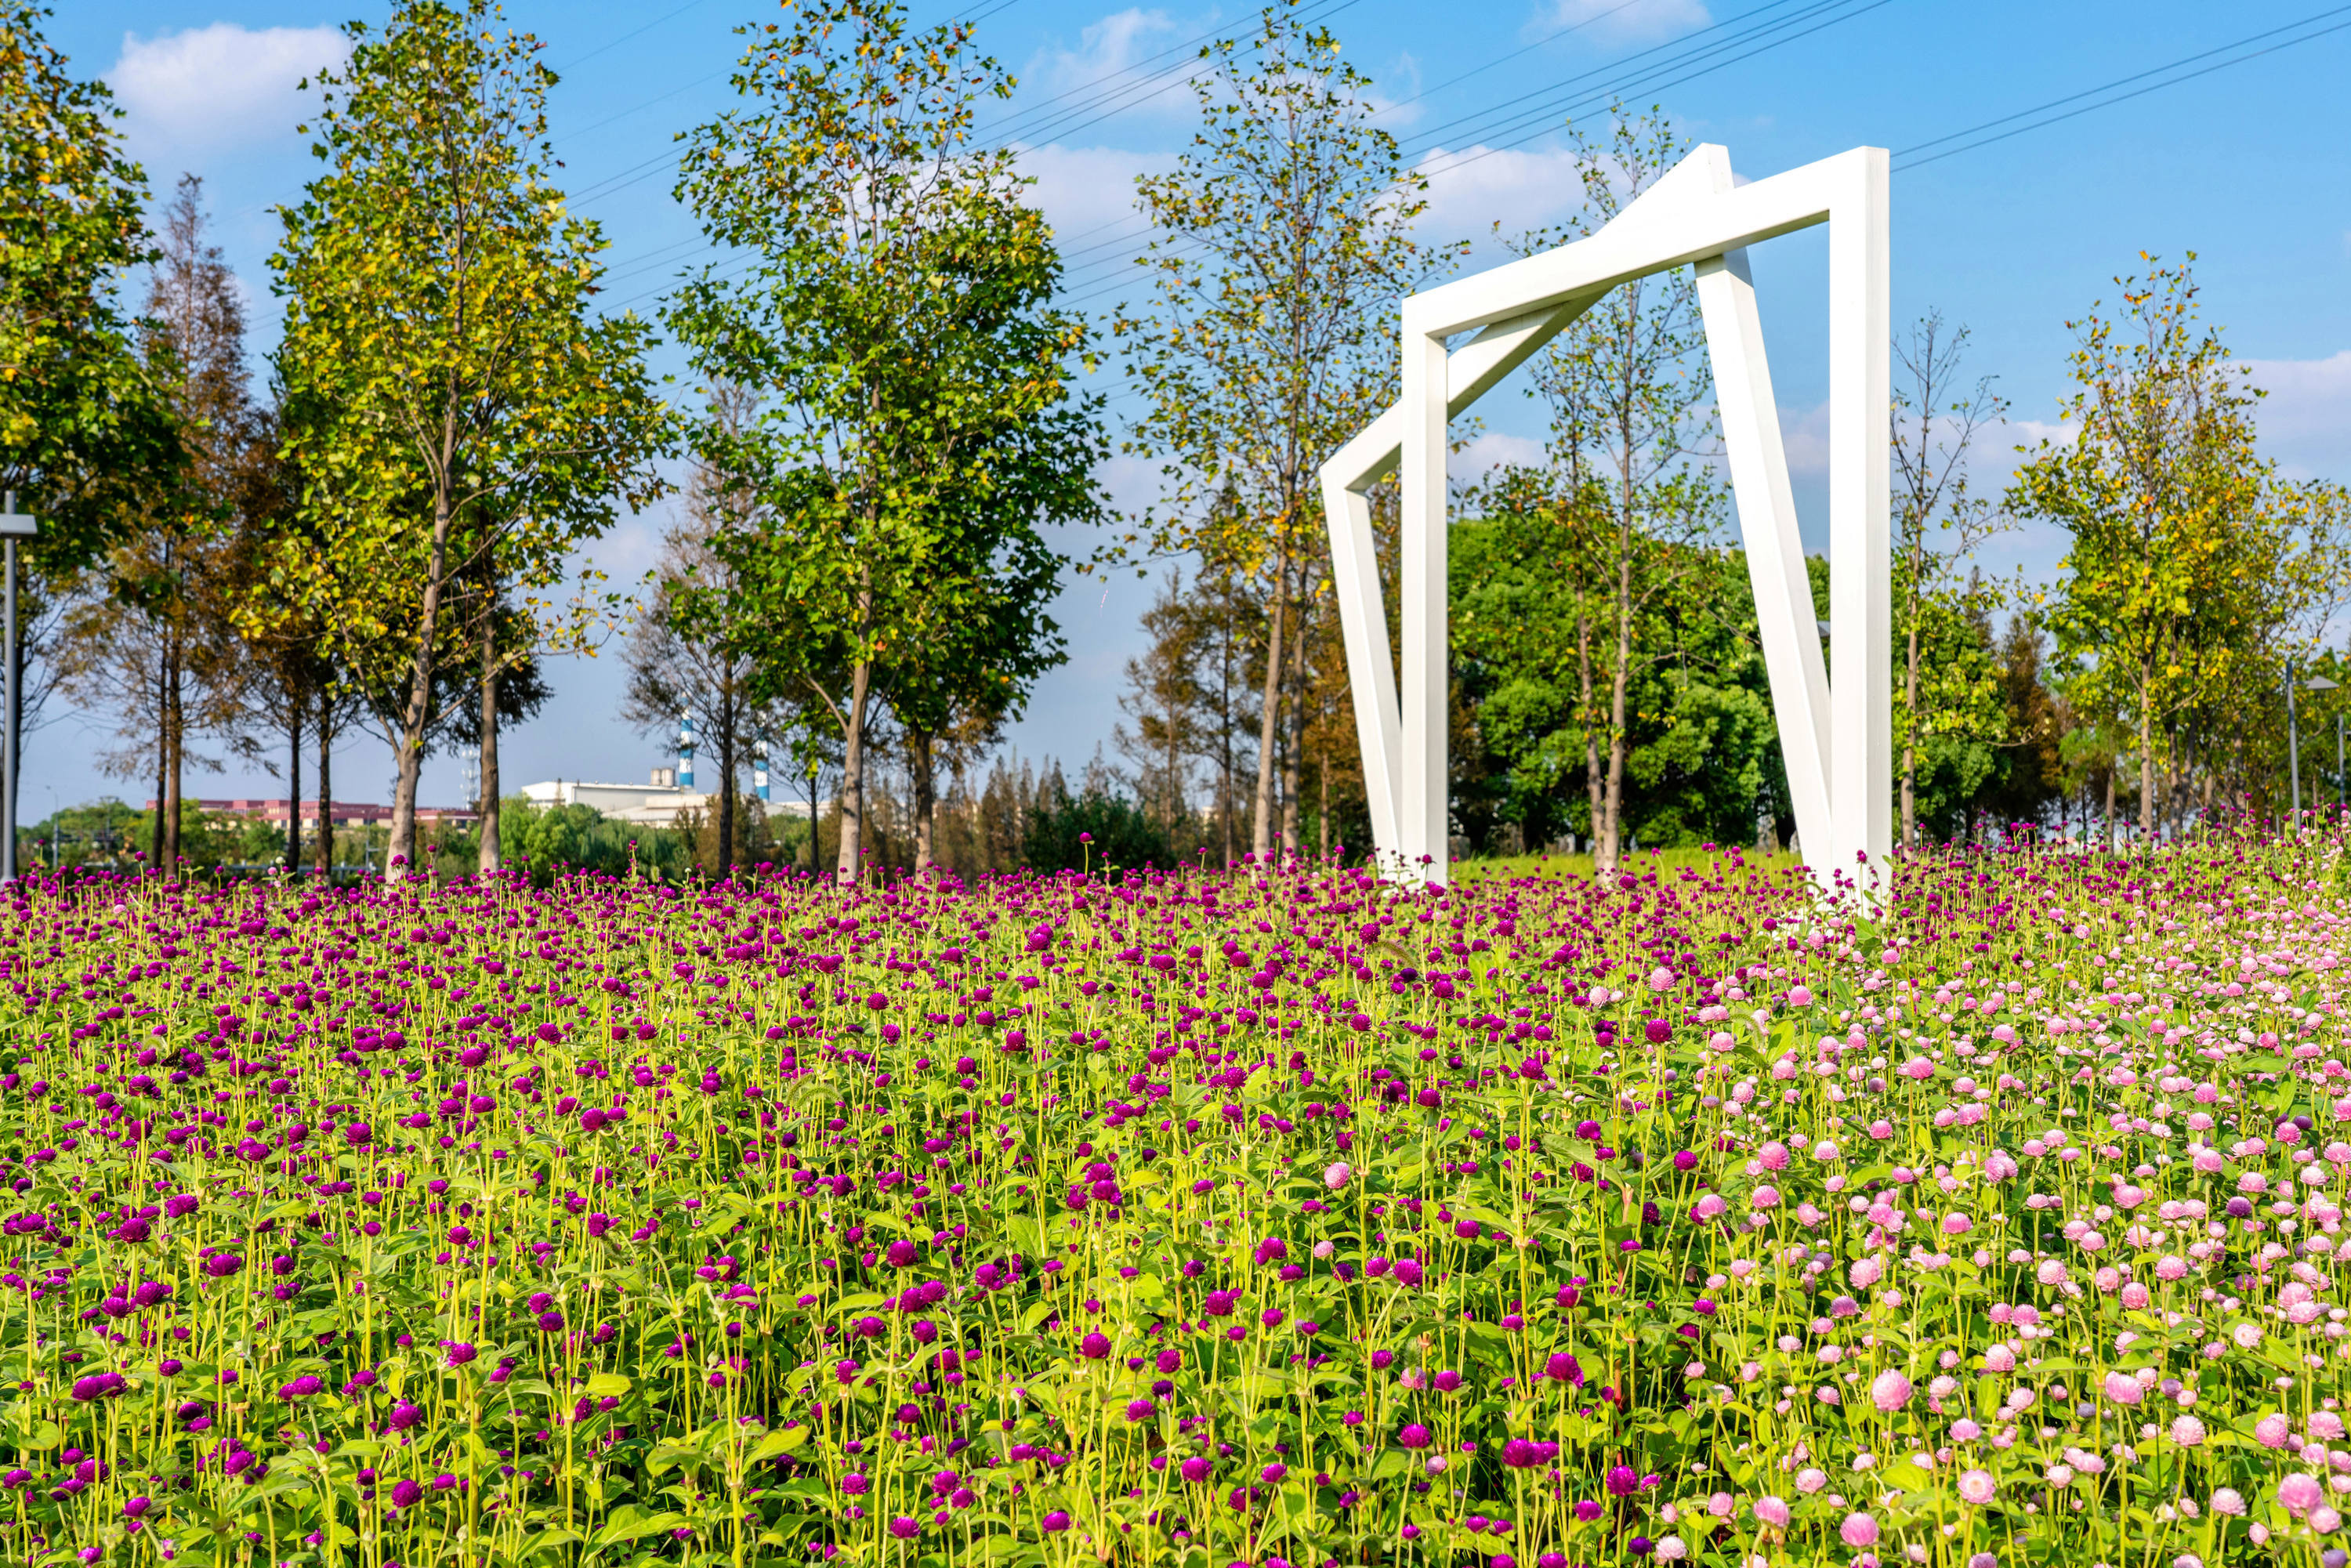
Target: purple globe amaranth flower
x=1416, y=1436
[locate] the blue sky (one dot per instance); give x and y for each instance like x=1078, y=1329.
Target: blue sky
x=2245, y=165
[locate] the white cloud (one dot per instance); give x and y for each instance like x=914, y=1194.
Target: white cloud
x=2305, y=421
x=1805, y=436
x=1107, y=51
x=219, y=85
x=1088, y=195
x=1398, y=107
x=1473, y=188
x=1621, y=21
x=1490, y=450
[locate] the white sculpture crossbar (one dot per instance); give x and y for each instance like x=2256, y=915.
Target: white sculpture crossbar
x=1836, y=738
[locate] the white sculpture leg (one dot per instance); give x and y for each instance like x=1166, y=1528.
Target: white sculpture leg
x=1836, y=737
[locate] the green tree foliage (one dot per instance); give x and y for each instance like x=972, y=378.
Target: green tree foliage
x=915, y=424
x=1701, y=760
x=1947, y=706
x=2177, y=565
x=1288, y=234
x=458, y=412
x=82, y=428
x=1627, y=386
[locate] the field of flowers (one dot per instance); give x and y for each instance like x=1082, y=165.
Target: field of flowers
x=1286, y=1220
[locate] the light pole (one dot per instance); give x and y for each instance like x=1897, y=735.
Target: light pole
x=2321, y=683
x=14, y=525
x=2293, y=751
x=686, y=749
x=759, y=768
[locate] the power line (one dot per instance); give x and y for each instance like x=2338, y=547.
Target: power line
x=2162, y=71
x=631, y=33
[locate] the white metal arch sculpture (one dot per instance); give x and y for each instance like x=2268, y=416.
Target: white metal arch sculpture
x=1836, y=738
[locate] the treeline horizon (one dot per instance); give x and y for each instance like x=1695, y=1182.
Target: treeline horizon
x=884, y=448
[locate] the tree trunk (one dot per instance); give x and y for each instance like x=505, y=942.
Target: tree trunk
x=1293, y=757
x=402, y=850
x=1609, y=851
x=814, y=861
x=1268, y=727
x=1910, y=727
x=293, y=780
x=171, y=752
x=851, y=864
x=1323, y=762
x=323, y=858
x=2113, y=828
x=491, y=856
x=918, y=763
x=2146, y=771
x=726, y=856
x=1225, y=721
x=1595, y=790
x=163, y=760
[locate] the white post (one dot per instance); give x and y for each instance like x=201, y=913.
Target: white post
x=1784, y=616
x=1425, y=819
x=1861, y=683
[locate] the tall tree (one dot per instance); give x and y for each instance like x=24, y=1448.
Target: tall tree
x=1627, y=386
x=915, y=420
x=1164, y=698
x=468, y=417
x=83, y=431
x=154, y=643
x=1951, y=683
x=1286, y=235
x=701, y=663
x=2173, y=523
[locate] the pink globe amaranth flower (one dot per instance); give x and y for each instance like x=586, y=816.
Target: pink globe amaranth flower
x=1999, y=1358
x=2187, y=1431
x=2228, y=1500
x=1858, y=1530
x=2123, y=1388
x=1765, y=1196
x=1772, y=1512
x=1825, y=1151
x=1881, y=1130
x=1773, y=1156
x=1957, y=1224
x=1335, y=1177
x=2325, y=1520
x=2298, y=1493
x=1800, y=997
x=1890, y=1391
x=1978, y=1486
x=1809, y=1480
x=1866, y=1272
x=1661, y=979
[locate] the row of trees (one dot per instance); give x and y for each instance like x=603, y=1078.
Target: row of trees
x=887, y=427
x=1608, y=686
x=384, y=535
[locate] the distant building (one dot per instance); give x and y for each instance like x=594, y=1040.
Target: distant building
x=342, y=813
x=657, y=804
